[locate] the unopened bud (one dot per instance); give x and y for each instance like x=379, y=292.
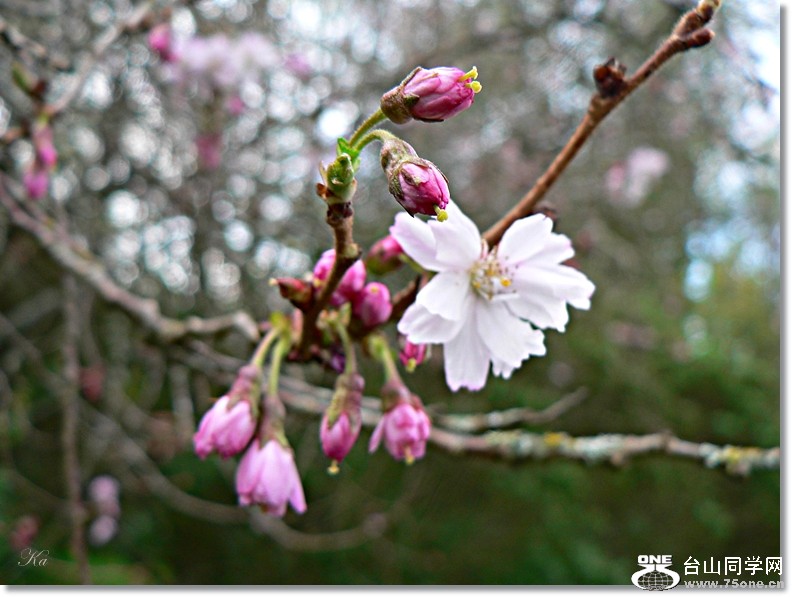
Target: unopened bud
x=384, y=256
x=431, y=95
x=372, y=305
x=417, y=184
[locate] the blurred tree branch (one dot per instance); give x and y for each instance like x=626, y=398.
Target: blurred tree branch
x=89, y=268
x=612, y=89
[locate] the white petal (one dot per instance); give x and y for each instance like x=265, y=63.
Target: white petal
x=560, y=281
x=466, y=359
x=506, y=337
x=417, y=240
x=457, y=240
x=502, y=369
x=446, y=294
x=544, y=311
x=422, y=327
x=524, y=239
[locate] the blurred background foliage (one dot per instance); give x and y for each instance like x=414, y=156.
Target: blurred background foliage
x=673, y=207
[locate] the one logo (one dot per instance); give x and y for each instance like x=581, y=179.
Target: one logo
x=655, y=574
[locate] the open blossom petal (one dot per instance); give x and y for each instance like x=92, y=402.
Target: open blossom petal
x=446, y=294
x=423, y=327
x=484, y=305
x=466, y=358
x=507, y=339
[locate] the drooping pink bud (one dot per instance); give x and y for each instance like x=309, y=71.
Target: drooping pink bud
x=404, y=427
x=412, y=355
x=417, y=184
x=384, y=256
x=341, y=421
x=351, y=284
x=160, y=40
x=268, y=476
x=225, y=429
x=36, y=181
x=431, y=95
x=338, y=439
x=372, y=305
x=43, y=143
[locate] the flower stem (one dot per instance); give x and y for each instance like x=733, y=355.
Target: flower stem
x=350, y=365
x=257, y=360
x=375, y=135
x=367, y=125
x=380, y=350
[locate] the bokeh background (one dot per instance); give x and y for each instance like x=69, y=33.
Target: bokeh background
x=673, y=208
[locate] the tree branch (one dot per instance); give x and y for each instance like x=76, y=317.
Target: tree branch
x=70, y=405
x=86, y=266
x=612, y=90
x=100, y=45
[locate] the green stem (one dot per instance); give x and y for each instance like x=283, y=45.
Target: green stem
x=281, y=349
x=349, y=348
x=263, y=348
x=367, y=125
x=376, y=135
x=380, y=350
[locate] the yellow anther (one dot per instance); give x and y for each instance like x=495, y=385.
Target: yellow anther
x=505, y=282
x=408, y=456
x=442, y=215
x=411, y=365
x=471, y=74
x=333, y=468
x=474, y=85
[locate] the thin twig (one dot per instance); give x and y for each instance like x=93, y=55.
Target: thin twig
x=89, y=268
x=70, y=404
x=99, y=47
x=613, y=89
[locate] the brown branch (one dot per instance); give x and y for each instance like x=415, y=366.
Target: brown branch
x=613, y=89
x=100, y=45
x=82, y=263
x=340, y=217
x=501, y=419
x=70, y=405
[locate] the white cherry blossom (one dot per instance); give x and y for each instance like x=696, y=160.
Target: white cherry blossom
x=485, y=305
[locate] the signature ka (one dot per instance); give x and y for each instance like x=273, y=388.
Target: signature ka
x=35, y=557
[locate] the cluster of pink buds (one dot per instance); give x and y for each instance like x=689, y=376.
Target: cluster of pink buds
x=267, y=474
x=36, y=178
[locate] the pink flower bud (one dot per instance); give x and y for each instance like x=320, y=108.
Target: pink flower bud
x=384, y=256
x=268, y=476
x=431, y=95
x=341, y=421
x=226, y=428
x=338, y=439
x=298, y=292
x=235, y=105
x=424, y=189
x=160, y=40
x=210, y=150
x=405, y=428
x=46, y=153
x=412, y=355
x=351, y=284
x=417, y=184
x=36, y=181
x=372, y=305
